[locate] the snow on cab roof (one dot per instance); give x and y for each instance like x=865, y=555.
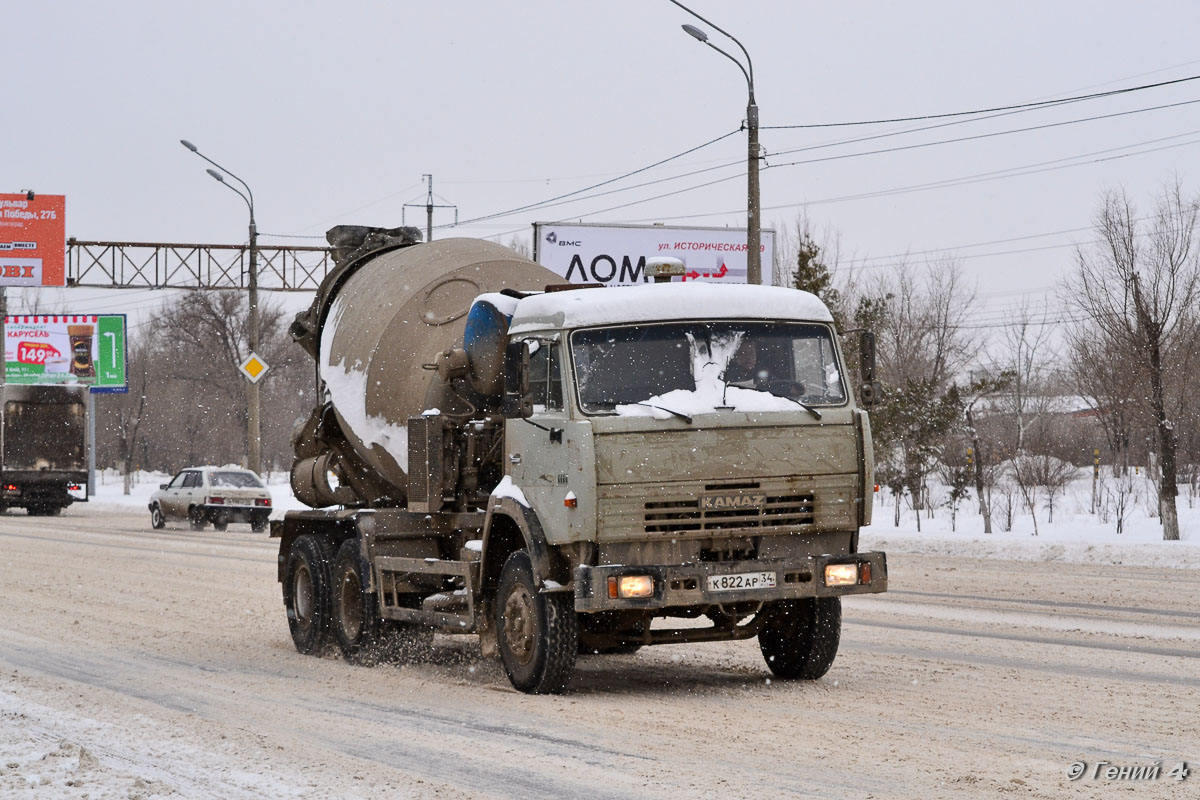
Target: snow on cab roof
x=664, y=302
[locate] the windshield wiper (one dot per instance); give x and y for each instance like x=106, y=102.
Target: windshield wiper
x=679, y=414
x=805, y=406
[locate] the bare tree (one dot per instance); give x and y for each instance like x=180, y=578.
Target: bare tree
x=1023, y=470
x=1026, y=345
x=1139, y=289
x=193, y=408
x=521, y=245
x=923, y=346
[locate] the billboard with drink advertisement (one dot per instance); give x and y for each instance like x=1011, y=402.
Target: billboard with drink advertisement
x=33, y=237
x=79, y=349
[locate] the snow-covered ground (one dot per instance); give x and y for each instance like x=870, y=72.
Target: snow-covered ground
x=1075, y=536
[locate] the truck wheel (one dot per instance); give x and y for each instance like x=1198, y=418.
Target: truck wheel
x=157, y=520
x=538, y=633
x=801, y=637
x=306, y=590
x=196, y=519
x=355, y=618
x=258, y=524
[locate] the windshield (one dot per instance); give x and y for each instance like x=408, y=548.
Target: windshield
x=698, y=367
x=235, y=480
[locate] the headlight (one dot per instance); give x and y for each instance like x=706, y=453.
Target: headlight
x=841, y=574
x=631, y=586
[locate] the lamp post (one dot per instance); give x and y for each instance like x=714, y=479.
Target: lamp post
x=253, y=428
x=753, y=222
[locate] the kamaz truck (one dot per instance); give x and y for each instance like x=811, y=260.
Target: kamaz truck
x=565, y=471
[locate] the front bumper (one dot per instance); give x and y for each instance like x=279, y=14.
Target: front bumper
x=687, y=585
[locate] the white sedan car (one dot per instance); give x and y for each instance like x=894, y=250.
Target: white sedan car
x=219, y=495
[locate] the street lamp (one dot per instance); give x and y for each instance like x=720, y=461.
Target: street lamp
x=753, y=223
x=253, y=434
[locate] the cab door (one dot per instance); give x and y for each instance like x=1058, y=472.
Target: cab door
x=537, y=447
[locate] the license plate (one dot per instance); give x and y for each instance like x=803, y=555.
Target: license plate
x=741, y=581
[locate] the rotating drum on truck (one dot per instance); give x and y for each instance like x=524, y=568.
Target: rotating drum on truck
x=377, y=334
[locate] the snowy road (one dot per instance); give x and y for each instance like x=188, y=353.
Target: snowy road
x=140, y=663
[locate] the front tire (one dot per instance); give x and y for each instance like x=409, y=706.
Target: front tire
x=158, y=520
x=538, y=633
x=800, y=640
x=306, y=593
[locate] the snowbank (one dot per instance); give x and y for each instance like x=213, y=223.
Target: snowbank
x=1076, y=536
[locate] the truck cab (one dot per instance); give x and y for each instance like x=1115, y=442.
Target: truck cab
x=691, y=450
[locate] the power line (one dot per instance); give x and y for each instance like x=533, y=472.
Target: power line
x=840, y=157
x=1015, y=107
x=974, y=137
x=563, y=198
x=982, y=177
x=532, y=206
x=553, y=202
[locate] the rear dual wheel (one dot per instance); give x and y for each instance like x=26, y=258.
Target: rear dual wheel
x=306, y=593
x=362, y=635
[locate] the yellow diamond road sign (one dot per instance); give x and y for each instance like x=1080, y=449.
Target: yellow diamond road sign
x=253, y=367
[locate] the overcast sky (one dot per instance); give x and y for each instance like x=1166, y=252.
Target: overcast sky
x=332, y=112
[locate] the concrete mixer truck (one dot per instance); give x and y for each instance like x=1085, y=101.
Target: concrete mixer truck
x=564, y=471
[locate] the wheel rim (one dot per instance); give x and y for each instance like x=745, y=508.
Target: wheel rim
x=520, y=623
x=156, y=517
x=349, y=611
x=302, y=596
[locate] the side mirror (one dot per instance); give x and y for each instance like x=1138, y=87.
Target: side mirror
x=162, y=485
x=518, y=400
x=869, y=392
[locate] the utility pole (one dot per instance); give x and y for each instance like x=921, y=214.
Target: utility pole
x=253, y=407
x=429, y=207
x=429, y=210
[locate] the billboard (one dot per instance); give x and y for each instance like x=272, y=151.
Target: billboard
x=33, y=240
x=78, y=349
x=615, y=255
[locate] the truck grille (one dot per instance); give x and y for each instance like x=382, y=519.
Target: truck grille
x=782, y=511
x=718, y=509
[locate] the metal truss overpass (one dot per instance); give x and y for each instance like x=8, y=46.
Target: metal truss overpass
x=141, y=265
